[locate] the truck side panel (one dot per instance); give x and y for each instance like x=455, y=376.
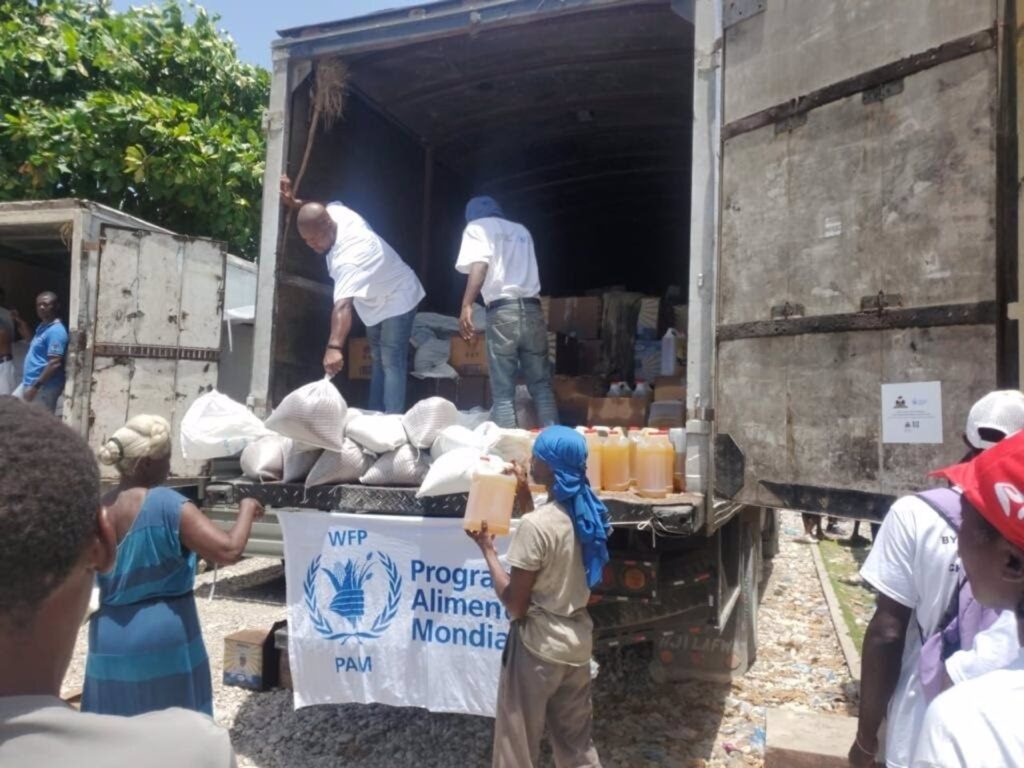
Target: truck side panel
x=858, y=244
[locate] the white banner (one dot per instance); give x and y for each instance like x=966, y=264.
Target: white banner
x=393, y=610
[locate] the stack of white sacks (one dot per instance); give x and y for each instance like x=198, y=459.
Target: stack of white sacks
x=313, y=436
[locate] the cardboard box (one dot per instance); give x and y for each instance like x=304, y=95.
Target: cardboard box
x=545, y=307
x=469, y=358
x=250, y=659
x=681, y=317
x=577, y=357
x=359, y=361
x=572, y=396
x=617, y=411
x=472, y=392
x=669, y=388
x=578, y=316
x=667, y=414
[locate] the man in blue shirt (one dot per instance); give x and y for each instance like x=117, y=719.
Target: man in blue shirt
x=43, y=381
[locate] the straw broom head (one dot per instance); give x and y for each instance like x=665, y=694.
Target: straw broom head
x=329, y=88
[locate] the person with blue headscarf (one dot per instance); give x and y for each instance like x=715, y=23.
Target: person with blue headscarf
x=497, y=256
x=557, y=555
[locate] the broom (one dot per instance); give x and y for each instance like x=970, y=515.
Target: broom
x=327, y=106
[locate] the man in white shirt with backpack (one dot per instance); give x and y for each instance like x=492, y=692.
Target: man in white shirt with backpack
x=915, y=569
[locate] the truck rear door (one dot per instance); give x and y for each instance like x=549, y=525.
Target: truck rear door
x=863, y=243
x=156, y=337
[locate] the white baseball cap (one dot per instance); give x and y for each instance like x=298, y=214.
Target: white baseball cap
x=1001, y=411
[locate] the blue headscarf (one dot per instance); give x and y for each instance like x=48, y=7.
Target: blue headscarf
x=565, y=451
x=483, y=207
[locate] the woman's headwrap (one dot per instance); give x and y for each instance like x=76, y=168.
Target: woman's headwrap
x=565, y=451
x=483, y=207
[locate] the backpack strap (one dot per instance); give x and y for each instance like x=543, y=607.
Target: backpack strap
x=947, y=504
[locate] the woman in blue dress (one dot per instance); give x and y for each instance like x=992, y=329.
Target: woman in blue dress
x=146, y=648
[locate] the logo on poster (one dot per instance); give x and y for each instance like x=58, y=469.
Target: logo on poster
x=342, y=595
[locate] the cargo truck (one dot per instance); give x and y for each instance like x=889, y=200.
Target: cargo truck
x=834, y=182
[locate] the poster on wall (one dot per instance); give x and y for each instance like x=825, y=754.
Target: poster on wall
x=912, y=412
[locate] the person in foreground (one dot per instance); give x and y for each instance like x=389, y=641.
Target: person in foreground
x=914, y=568
x=146, y=648
x=57, y=538
x=557, y=555
x=977, y=723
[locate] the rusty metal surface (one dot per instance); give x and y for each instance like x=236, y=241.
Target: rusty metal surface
x=155, y=351
x=981, y=313
x=675, y=512
x=854, y=505
x=918, y=62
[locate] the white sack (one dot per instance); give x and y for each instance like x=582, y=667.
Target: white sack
x=215, y=426
x=345, y=466
x=277, y=459
x=512, y=445
x=452, y=438
x=431, y=355
x=406, y=466
x=453, y=472
x=425, y=420
x=313, y=414
x=473, y=418
x=379, y=433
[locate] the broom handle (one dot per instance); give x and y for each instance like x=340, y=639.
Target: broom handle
x=314, y=124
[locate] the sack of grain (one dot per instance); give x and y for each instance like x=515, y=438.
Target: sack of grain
x=453, y=472
x=276, y=458
x=453, y=438
x=344, y=466
x=313, y=414
x=425, y=420
x=378, y=432
x=216, y=426
x=472, y=418
x=406, y=466
x=512, y=445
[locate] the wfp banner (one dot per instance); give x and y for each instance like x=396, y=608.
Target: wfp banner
x=393, y=610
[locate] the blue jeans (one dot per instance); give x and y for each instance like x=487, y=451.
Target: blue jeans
x=517, y=339
x=389, y=347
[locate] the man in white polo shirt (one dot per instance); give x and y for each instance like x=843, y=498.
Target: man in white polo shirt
x=497, y=255
x=371, y=277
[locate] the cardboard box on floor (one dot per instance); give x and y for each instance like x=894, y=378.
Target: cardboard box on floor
x=667, y=414
x=617, y=412
x=250, y=659
x=572, y=396
x=669, y=388
x=359, y=361
x=578, y=316
x=469, y=358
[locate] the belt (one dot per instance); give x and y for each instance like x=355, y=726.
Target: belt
x=6, y=358
x=506, y=302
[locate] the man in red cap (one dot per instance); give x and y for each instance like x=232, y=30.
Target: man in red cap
x=977, y=723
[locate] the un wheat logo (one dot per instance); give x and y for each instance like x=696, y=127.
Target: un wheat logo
x=349, y=602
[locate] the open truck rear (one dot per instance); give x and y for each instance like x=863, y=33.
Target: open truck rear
x=832, y=182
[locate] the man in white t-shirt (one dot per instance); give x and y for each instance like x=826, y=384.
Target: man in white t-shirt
x=977, y=724
x=57, y=537
x=914, y=567
x=498, y=257
x=371, y=277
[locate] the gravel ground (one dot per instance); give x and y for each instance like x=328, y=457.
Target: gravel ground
x=638, y=723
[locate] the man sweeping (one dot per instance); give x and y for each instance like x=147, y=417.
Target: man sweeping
x=557, y=555
x=371, y=277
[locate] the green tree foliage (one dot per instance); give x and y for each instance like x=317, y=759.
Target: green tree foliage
x=148, y=111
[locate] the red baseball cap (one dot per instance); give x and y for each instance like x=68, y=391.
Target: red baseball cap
x=993, y=482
